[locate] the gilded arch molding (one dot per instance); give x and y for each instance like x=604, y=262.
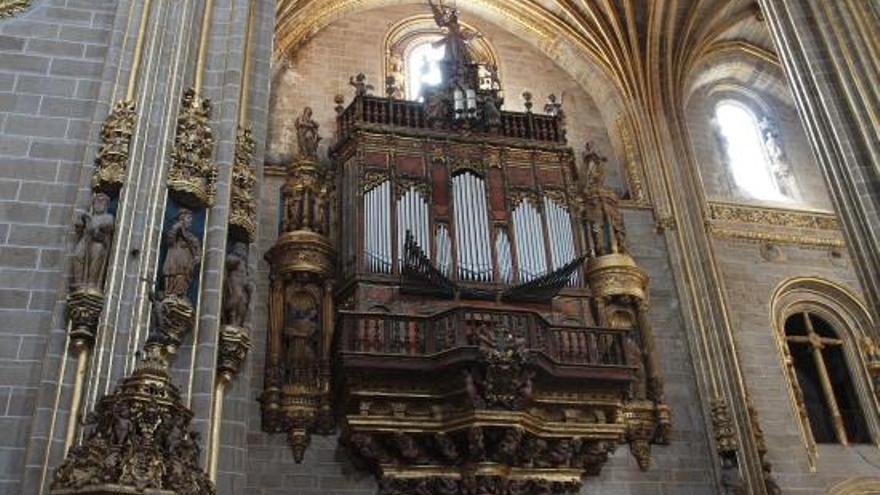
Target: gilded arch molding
x=856, y=486
x=848, y=314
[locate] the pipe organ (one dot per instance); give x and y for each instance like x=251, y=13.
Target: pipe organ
x=474, y=324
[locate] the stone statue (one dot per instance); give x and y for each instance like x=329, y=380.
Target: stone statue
x=307, y=134
x=779, y=167
x=359, y=82
x=237, y=288
x=457, y=56
x=491, y=111
x=595, y=166
x=94, y=233
x=183, y=255
x=436, y=109
x=554, y=107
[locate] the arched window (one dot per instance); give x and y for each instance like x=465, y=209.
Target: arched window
x=744, y=148
x=826, y=387
x=423, y=68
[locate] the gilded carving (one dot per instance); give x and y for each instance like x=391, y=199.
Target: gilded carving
x=632, y=163
x=770, y=216
x=725, y=434
x=9, y=8
x=243, y=206
x=192, y=174
x=111, y=162
x=137, y=438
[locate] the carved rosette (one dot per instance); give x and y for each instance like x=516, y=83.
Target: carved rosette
x=84, y=307
x=111, y=163
x=234, y=347
x=192, y=175
x=137, y=439
x=243, y=208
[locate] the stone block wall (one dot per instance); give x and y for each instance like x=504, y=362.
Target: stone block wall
x=52, y=59
x=750, y=281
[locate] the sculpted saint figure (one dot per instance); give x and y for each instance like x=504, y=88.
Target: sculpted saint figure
x=359, y=82
x=94, y=233
x=237, y=288
x=183, y=254
x=307, y=134
x=595, y=165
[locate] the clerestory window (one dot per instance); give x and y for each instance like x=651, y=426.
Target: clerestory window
x=745, y=149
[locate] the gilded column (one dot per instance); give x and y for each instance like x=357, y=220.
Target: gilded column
x=296, y=397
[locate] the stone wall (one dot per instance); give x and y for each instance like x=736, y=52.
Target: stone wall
x=51, y=69
x=750, y=281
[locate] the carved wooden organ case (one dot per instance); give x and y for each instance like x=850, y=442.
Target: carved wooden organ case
x=466, y=315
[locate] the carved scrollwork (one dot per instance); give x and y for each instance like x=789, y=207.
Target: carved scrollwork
x=137, y=439
x=192, y=175
x=111, y=163
x=243, y=207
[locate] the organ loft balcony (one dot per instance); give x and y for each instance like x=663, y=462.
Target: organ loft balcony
x=481, y=321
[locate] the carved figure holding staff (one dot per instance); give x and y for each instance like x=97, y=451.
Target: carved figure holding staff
x=184, y=252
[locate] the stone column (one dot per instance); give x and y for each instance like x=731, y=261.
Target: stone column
x=831, y=54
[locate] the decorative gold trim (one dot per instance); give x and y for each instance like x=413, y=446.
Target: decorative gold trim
x=779, y=225
x=9, y=8
x=772, y=216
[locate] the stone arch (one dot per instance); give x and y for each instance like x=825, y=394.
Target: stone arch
x=846, y=312
x=856, y=486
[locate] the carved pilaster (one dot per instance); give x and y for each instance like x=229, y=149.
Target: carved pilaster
x=192, y=174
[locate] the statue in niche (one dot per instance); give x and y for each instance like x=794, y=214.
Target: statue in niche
x=779, y=166
x=307, y=135
x=359, y=82
x=159, y=321
x=319, y=210
x=94, y=233
x=237, y=288
x=301, y=335
x=594, y=163
x=184, y=251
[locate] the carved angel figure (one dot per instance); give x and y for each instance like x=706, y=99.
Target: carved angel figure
x=184, y=251
x=94, y=234
x=237, y=288
x=307, y=134
x=359, y=82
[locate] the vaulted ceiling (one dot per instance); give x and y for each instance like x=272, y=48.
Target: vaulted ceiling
x=651, y=51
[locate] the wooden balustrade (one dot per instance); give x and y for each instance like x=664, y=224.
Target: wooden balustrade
x=381, y=333
x=411, y=114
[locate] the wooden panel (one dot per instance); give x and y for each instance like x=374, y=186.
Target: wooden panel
x=376, y=159
x=496, y=195
x=410, y=165
x=440, y=189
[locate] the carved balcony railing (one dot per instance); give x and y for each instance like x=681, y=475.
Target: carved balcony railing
x=383, y=334
x=411, y=114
